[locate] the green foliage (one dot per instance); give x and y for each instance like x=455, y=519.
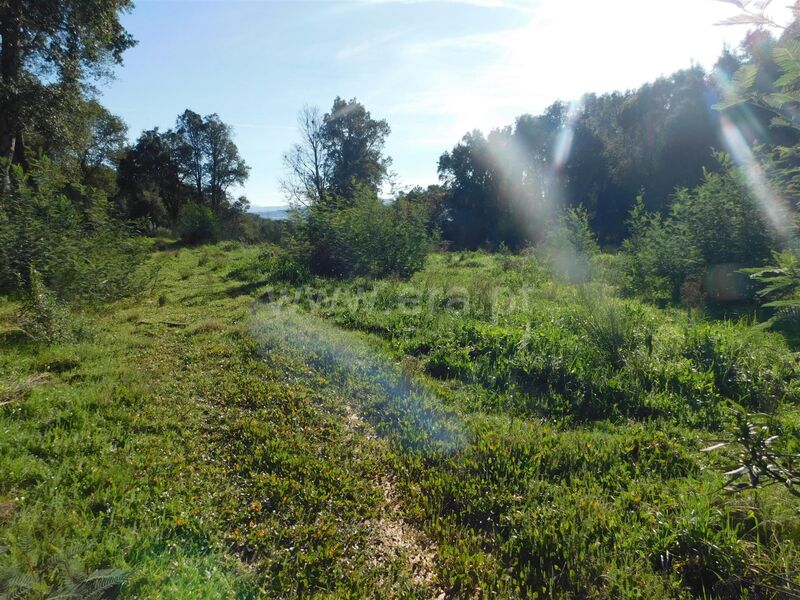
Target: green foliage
x=192, y=458
x=582, y=356
x=657, y=261
x=148, y=179
x=478, y=407
x=198, y=224
x=353, y=144
x=365, y=237
x=68, y=234
x=717, y=224
x=767, y=453
x=42, y=316
x=50, y=51
x=781, y=283
x=622, y=506
x=509, y=184
x=615, y=328
x=197, y=162
x=572, y=245
x=744, y=366
x=288, y=264
x=779, y=92
x=207, y=158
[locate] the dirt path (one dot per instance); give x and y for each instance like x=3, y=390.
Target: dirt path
x=349, y=364
x=394, y=537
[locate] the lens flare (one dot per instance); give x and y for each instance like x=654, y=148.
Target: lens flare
x=392, y=400
x=773, y=206
x=566, y=136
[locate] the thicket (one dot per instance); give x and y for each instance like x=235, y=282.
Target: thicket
x=359, y=236
x=718, y=224
x=68, y=234
x=198, y=224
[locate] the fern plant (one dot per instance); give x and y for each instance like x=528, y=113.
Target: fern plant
x=785, y=93
x=98, y=585
x=20, y=580
x=781, y=285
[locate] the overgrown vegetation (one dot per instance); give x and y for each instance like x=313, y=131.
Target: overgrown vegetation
x=365, y=237
x=68, y=233
x=718, y=225
x=590, y=390
x=541, y=438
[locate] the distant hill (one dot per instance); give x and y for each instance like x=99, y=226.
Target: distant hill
x=275, y=213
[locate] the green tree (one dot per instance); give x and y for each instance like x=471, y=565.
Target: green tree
x=149, y=180
x=66, y=232
x=224, y=165
x=362, y=236
x=510, y=185
x=717, y=223
x=353, y=144
x=50, y=50
x=190, y=148
x=207, y=157
x=104, y=140
x=432, y=200
x=477, y=209
x=198, y=224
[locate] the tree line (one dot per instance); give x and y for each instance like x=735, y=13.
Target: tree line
x=637, y=170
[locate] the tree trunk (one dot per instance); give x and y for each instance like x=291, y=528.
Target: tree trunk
x=10, y=67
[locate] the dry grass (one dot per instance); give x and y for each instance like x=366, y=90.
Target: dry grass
x=19, y=390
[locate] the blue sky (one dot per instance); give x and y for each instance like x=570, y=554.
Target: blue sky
x=434, y=70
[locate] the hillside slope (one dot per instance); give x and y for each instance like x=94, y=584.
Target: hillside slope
x=223, y=437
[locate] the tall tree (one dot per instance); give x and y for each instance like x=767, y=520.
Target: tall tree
x=475, y=207
x=54, y=46
x=104, y=139
x=224, y=166
x=190, y=148
x=353, y=143
x=306, y=163
x=599, y=154
x=149, y=180
x=207, y=157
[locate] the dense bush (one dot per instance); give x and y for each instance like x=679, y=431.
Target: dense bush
x=42, y=317
x=198, y=224
x=66, y=232
x=364, y=236
x=288, y=263
x=717, y=224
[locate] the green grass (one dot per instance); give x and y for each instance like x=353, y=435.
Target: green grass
x=482, y=430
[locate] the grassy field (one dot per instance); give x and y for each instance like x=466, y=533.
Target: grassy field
x=481, y=430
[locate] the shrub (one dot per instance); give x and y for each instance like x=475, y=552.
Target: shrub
x=572, y=246
x=717, y=223
x=364, y=237
x=198, y=224
x=288, y=264
x=67, y=233
x=746, y=365
x=656, y=260
x=781, y=290
x=42, y=317
x=614, y=328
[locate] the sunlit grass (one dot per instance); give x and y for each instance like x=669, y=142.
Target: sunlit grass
x=206, y=443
